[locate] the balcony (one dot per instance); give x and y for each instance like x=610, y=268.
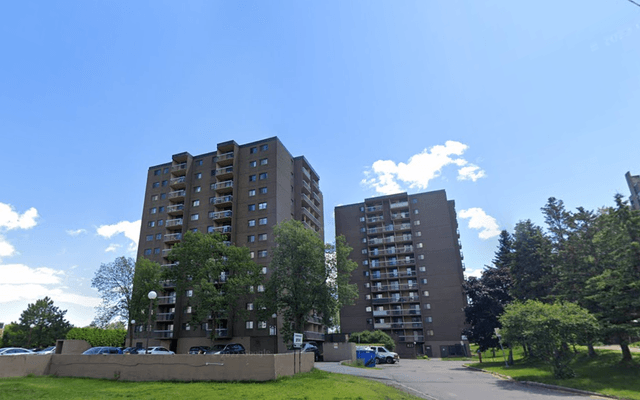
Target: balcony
x=168, y=284
x=411, y=339
x=375, y=208
x=316, y=198
x=169, y=265
x=310, y=203
x=172, y=238
x=163, y=300
x=402, y=227
x=388, y=300
x=165, y=252
x=393, y=274
x=310, y=215
x=167, y=334
x=222, y=229
x=164, y=317
x=221, y=200
x=178, y=183
x=400, y=204
x=222, y=173
x=377, y=325
x=179, y=169
x=406, y=325
x=176, y=195
x=175, y=209
x=380, y=229
x=222, y=333
x=373, y=220
x=224, y=186
x=224, y=159
x=402, y=215
x=405, y=249
x=305, y=185
x=306, y=172
x=392, y=263
x=173, y=222
x=221, y=215
x=404, y=311
x=381, y=252
x=388, y=288
x=310, y=335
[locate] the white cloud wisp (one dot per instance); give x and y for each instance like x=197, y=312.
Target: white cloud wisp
x=131, y=231
x=479, y=220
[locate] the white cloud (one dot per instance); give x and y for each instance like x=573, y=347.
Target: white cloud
x=474, y=272
x=112, y=248
x=131, y=230
x=77, y=232
x=20, y=274
x=32, y=292
x=10, y=219
x=6, y=249
x=478, y=219
x=387, y=177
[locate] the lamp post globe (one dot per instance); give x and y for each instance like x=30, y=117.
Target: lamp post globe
x=152, y=296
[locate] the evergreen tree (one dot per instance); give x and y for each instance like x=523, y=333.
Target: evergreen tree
x=531, y=271
x=48, y=323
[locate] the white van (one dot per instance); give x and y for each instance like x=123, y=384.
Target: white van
x=385, y=356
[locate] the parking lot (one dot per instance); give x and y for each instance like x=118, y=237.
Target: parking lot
x=446, y=380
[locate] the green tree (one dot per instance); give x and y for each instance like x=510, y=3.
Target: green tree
x=220, y=276
x=340, y=268
x=488, y=296
x=615, y=292
x=373, y=337
x=48, y=323
x=147, y=278
x=549, y=330
x=114, y=282
x=298, y=287
x=531, y=271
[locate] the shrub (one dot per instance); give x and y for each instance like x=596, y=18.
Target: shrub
x=99, y=337
x=373, y=337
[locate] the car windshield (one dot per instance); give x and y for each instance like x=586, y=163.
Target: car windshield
x=218, y=347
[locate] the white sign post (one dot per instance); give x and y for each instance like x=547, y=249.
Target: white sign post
x=297, y=340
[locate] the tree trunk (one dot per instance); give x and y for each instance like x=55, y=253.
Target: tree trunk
x=626, y=353
x=592, y=351
x=510, y=360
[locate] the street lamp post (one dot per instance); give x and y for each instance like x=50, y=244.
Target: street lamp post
x=30, y=329
x=131, y=326
x=152, y=295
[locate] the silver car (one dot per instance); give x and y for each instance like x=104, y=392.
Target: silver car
x=14, y=351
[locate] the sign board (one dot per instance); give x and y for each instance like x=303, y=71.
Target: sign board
x=297, y=340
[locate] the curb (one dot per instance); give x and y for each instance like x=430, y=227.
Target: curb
x=547, y=386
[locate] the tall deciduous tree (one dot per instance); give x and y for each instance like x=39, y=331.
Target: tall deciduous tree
x=340, y=268
x=220, y=276
x=49, y=325
x=488, y=295
x=298, y=286
x=114, y=281
x=615, y=292
x=147, y=278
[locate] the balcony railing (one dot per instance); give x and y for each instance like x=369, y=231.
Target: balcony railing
x=179, y=167
x=167, y=334
x=173, y=237
x=175, y=208
x=310, y=335
x=223, y=157
x=392, y=263
x=375, y=219
x=167, y=300
x=224, y=171
x=222, y=185
x=383, y=313
x=222, y=229
x=221, y=200
x=180, y=181
x=222, y=332
x=169, y=265
x=399, y=204
x=402, y=227
x=388, y=288
x=311, y=216
x=176, y=194
x=409, y=339
x=377, y=325
x=221, y=214
x=165, y=252
x=174, y=222
x=387, y=300
x=402, y=215
x=165, y=316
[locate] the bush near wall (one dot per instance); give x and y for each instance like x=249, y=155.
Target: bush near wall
x=99, y=337
x=373, y=337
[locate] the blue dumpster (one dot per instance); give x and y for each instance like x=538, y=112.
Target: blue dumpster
x=367, y=356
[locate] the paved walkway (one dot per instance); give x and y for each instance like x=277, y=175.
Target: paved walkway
x=449, y=380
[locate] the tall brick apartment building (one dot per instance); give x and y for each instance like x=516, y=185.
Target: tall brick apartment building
x=410, y=271
x=241, y=191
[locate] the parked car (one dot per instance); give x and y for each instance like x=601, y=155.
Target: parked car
x=158, y=350
x=308, y=347
x=229, y=348
x=385, y=356
x=14, y=351
x=133, y=350
x=48, y=350
x=198, y=349
x=103, y=350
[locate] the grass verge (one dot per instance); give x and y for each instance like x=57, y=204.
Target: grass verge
x=603, y=374
x=313, y=385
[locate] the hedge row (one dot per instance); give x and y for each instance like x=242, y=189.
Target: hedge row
x=99, y=337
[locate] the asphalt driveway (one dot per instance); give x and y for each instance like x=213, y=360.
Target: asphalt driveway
x=444, y=380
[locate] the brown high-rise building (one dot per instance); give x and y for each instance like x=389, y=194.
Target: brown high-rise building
x=410, y=271
x=634, y=187
x=241, y=191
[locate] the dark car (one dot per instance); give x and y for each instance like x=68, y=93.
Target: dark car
x=133, y=350
x=103, y=350
x=308, y=347
x=229, y=348
x=198, y=349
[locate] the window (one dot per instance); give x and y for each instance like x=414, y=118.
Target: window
x=251, y=238
x=415, y=211
x=365, y=262
x=421, y=257
x=194, y=217
x=252, y=254
x=252, y=222
x=251, y=289
x=252, y=178
x=263, y=175
x=365, y=273
x=262, y=237
x=154, y=197
x=264, y=147
x=252, y=207
x=423, y=269
x=272, y=330
x=362, y=208
x=186, y=327
x=364, y=251
x=363, y=229
x=147, y=252
x=248, y=324
x=161, y=209
x=195, y=203
x=264, y=161
x=186, y=310
x=418, y=233
x=362, y=219
x=423, y=281
x=149, y=238
x=156, y=172
x=160, y=222
x=189, y=293
x=367, y=297
x=367, y=309
x=367, y=285
x=262, y=254
x=414, y=201
x=260, y=288
x=264, y=271
x=427, y=306
x=262, y=221
x=253, y=150
x=165, y=183
x=429, y=332
x=417, y=222
x=252, y=164
x=419, y=245
x=155, y=184
x=263, y=190
x=249, y=306
x=199, y=162
x=428, y=320
x=262, y=324
x=252, y=192
x=153, y=210
x=158, y=236
x=197, y=189
x=156, y=251
x=425, y=293
x=198, y=175
x=151, y=224
x=194, y=230
x=165, y=170
x=262, y=206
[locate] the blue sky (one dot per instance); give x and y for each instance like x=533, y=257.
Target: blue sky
x=502, y=104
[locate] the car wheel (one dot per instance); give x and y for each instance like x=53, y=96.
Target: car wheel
x=377, y=361
x=390, y=360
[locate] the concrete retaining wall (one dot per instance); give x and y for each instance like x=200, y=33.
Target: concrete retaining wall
x=180, y=367
x=339, y=351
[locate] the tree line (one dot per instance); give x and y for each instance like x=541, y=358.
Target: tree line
x=576, y=281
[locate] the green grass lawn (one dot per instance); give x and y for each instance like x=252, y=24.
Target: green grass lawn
x=313, y=385
x=602, y=374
